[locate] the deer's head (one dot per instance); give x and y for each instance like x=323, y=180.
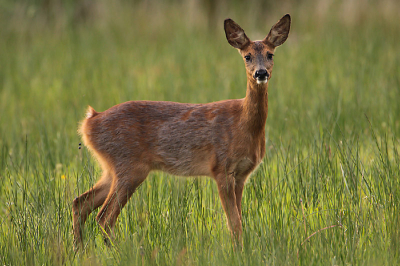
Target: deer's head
x=258, y=55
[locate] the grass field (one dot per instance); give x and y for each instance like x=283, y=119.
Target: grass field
x=327, y=192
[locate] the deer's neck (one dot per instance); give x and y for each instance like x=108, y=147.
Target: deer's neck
x=255, y=107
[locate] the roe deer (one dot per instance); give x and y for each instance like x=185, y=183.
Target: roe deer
x=224, y=140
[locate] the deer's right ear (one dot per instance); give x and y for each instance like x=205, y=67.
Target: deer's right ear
x=279, y=32
x=235, y=34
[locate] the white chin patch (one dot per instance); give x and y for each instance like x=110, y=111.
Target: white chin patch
x=262, y=81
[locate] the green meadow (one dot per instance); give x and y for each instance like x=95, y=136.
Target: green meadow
x=327, y=191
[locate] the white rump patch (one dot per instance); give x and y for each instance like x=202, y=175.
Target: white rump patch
x=89, y=112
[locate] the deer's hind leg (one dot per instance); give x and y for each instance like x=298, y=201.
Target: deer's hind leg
x=87, y=202
x=124, y=185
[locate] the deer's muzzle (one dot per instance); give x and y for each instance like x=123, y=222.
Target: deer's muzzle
x=261, y=76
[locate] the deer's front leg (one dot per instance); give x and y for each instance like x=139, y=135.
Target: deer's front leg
x=226, y=189
x=239, y=185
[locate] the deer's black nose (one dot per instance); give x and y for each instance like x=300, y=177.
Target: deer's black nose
x=261, y=74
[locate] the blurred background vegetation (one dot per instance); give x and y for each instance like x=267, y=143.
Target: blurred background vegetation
x=339, y=52
x=332, y=129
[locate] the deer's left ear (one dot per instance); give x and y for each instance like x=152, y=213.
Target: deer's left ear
x=235, y=34
x=279, y=32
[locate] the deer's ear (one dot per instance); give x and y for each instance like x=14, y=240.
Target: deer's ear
x=279, y=32
x=235, y=34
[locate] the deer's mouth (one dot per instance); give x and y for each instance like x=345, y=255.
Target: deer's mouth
x=262, y=80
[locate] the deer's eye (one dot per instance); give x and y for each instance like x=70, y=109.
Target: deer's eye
x=269, y=56
x=247, y=58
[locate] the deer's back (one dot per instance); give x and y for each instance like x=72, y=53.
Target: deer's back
x=183, y=139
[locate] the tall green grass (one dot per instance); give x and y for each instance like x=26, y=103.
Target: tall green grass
x=327, y=191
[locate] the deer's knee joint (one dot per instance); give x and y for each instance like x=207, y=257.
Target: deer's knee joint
x=100, y=217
